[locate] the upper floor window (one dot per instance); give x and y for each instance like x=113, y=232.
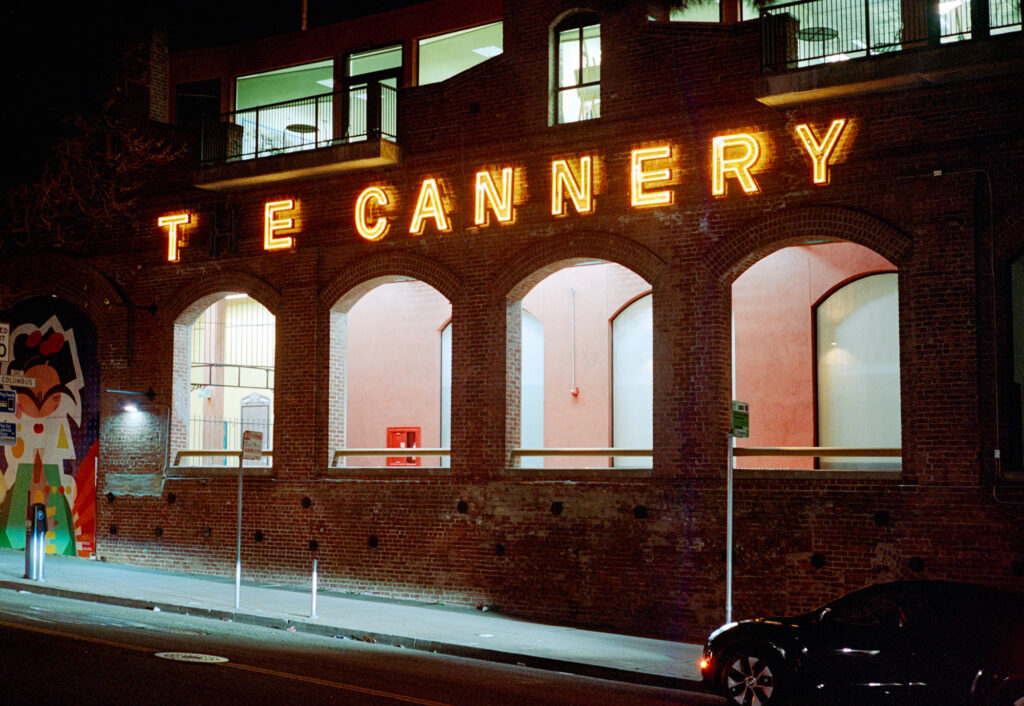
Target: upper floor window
x=578, y=68
x=446, y=55
x=373, y=77
x=707, y=11
x=283, y=110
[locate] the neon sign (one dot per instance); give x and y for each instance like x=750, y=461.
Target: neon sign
x=735, y=155
x=487, y=193
x=429, y=205
x=272, y=225
x=654, y=174
x=821, y=152
x=171, y=223
x=375, y=196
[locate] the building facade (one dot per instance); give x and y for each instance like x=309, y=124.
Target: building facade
x=549, y=243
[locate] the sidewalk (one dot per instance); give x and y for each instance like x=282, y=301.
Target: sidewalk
x=462, y=632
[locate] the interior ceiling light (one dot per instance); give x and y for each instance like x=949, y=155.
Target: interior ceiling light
x=488, y=51
x=946, y=7
x=329, y=82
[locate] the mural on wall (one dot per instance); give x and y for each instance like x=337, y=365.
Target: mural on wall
x=54, y=458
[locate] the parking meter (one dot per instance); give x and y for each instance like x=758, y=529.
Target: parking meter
x=35, y=541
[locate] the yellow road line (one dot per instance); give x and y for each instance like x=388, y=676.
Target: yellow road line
x=233, y=665
x=82, y=638
x=337, y=685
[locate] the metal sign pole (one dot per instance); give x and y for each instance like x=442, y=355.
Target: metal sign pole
x=238, y=545
x=728, y=535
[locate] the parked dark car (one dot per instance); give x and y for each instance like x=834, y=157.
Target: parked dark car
x=908, y=642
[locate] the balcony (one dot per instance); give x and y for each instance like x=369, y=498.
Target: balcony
x=818, y=49
x=324, y=134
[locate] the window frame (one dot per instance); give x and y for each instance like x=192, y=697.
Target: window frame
x=578, y=22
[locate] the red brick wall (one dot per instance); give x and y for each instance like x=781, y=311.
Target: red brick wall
x=635, y=551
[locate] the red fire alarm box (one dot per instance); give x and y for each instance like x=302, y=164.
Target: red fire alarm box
x=403, y=438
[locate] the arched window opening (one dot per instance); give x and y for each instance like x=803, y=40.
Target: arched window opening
x=578, y=68
x=584, y=366
x=390, y=375
x=232, y=348
x=788, y=309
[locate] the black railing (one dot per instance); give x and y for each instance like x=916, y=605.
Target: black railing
x=810, y=32
x=304, y=124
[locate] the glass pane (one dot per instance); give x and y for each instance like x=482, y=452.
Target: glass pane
x=859, y=370
x=531, y=433
x=591, y=54
x=382, y=59
x=633, y=380
x=446, y=393
x=575, y=104
x=708, y=11
x=442, y=57
x=287, y=84
x=568, y=58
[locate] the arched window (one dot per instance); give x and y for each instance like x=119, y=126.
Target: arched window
x=390, y=374
x=788, y=310
x=577, y=58
x=231, y=347
x=581, y=362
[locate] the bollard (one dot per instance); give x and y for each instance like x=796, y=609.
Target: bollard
x=312, y=609
x=35, y=541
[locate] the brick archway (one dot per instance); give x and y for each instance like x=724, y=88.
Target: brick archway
x=182, y=311
x=79, y=284
x=534, y=263
x=731, y=256
x=197, y=295
x=359, y=277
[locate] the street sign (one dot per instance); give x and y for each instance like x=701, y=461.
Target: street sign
x=740, y=419
x=8, y=401
x=8, y=433
x=17, y=381
x=252, y=445
x=5, y=349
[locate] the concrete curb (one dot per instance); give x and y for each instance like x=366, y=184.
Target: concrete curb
x=336, y=631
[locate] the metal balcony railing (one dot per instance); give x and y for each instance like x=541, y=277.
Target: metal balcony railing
x=305, y=124
x=811, y=32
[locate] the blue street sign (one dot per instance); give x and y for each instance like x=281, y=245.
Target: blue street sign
x=8, y=401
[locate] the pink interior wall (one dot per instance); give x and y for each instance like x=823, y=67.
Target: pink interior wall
x=600, y=291
x=394, y=366
x=394, y=360
x=773, y=327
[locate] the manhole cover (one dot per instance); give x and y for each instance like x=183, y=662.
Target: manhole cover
x=191, y=657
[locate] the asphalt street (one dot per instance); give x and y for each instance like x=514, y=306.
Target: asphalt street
x=58, y=650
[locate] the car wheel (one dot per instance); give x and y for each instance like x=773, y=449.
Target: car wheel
x=753, y=676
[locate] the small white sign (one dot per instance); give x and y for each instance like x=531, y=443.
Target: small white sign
x=17, y=381
x=252, y=445
x=5, y=348
x=8, y=433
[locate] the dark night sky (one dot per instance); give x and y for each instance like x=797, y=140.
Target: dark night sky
x=60, y=56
